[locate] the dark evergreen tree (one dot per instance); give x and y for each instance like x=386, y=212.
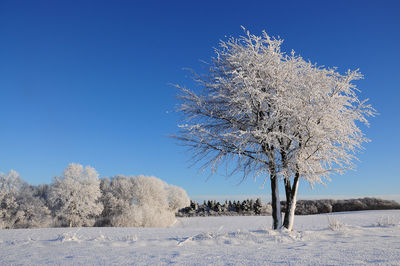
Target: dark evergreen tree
x=258, y=206
x=252, y=205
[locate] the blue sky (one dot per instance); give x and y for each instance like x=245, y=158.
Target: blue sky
x=88, y=82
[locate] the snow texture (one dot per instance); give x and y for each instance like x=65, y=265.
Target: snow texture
x=365, y=237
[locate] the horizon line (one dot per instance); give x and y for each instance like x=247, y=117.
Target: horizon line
x=267, y=197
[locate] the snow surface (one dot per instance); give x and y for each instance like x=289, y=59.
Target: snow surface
x=367, y=237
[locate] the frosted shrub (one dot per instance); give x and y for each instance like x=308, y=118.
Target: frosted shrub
x=386, y=221
x=177, y=198
x=334, y=224
x=141, y=201
x=147, y=216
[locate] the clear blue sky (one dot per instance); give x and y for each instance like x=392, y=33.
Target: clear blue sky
x=88, y=82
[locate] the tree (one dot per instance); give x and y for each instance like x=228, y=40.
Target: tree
x=141, y=201
x=318, y=134
x=117, y=197
x=273, y=115
x=177, y=198
x=75, y=196
x=32, y=208
x=155, y=202
x=258, y=206
x=10, y=185
x=20, y=207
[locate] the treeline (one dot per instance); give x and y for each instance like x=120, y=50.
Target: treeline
x=304, y=207
x=228, y=208
x=80, y=198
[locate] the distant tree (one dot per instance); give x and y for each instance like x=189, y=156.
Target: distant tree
x=42, y=192
x=225, y=206
x=32, y=208
x=141, y=201
x=194, y=205
x=155, y=202
x=177, y=198
x=274, y=115
x=258, y=206
x=10, y=185
x=252, y=202
x=245, y=206
x=218, y=207
x=230, y=207
x=209, y=204
x=236, y=205
x=20, y=204
x=75, y=196
x=117, y=198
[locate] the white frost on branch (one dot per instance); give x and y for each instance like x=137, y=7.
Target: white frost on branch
x=273, y=114
x=255, y=101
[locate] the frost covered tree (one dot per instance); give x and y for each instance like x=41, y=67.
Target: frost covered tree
x=258, y=206
x=32, y=208
x=177, y=198
x=20, y=207
x=75, y=196
x=151, y=206
x=155, y=202
x=10, y=185
x=116, y=198
x=141, y=201
x=273, y=115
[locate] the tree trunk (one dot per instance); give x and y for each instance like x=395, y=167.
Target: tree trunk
x=288, y=187
x=288, y=191
x=275, y=202
x=276, y=205
x=291, y=200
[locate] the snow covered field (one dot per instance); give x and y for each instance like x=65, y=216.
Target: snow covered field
x=367, y=237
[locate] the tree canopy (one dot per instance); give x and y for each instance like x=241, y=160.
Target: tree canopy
x=273, y=114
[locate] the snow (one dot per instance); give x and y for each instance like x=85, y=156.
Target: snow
x=367, y=237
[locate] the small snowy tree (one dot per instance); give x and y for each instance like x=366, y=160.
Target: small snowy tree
x=274, y=115
x=75, y=196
